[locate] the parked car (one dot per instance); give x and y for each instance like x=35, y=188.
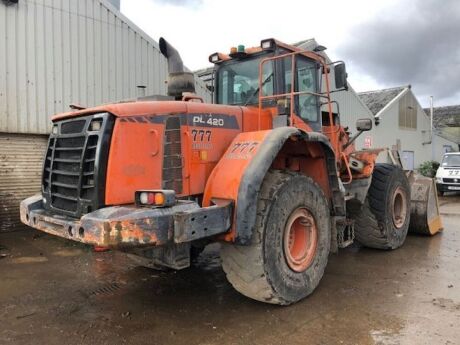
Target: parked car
x=448, y=174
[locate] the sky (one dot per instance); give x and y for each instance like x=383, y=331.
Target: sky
x=384, y=43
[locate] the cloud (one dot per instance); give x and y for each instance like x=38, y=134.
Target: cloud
x=415, y=43
x=180, y=3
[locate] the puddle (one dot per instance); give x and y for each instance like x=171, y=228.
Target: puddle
x=68, y=252
x=384, y=337
x=29, y=259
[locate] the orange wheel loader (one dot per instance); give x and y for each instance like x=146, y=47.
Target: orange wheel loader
x=266, y=170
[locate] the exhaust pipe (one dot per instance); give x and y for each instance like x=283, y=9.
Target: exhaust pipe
x=179, y=81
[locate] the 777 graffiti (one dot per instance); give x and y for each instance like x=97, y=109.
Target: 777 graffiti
x=242, y=150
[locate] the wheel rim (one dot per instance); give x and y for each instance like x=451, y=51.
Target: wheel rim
x=399, y=208
x=300, y=240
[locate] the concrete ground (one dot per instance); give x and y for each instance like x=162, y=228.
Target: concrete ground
x=54, y=291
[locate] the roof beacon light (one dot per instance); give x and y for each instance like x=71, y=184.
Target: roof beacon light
x=241, y=48
x=233, y=50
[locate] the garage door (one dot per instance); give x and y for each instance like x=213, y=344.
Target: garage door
x=21, y=157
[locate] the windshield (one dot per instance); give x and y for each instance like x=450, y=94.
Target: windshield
x=451, y=161
x=238, y=83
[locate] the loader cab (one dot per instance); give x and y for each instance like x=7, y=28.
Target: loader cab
x=263, y=77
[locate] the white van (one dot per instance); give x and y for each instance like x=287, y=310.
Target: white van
x=448, y=174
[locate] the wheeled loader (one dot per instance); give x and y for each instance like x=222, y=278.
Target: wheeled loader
x=267, y=170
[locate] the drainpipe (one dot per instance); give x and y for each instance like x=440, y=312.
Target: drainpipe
x=431, y=128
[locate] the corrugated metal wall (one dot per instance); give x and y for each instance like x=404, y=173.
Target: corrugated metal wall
x=21, y=159
x=57, y=52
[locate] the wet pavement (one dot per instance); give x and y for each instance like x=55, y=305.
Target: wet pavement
x=53, y=291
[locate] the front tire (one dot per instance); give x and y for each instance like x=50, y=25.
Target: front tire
x=290, y=244
x=383, y=220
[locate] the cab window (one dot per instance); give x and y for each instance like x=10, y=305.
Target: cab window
x=306, y=82
x=238, y=83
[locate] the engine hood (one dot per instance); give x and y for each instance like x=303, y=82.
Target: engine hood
x=127, y=109
x=150, y=108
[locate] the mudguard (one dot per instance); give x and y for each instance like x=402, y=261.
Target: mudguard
x=239, y=175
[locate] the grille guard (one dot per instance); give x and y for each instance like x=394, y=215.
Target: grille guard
x=75, y=164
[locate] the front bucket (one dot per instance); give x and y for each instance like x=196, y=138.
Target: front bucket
x=424, y=216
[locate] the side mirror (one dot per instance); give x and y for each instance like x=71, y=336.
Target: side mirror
x=340, y=74
x=363, y=125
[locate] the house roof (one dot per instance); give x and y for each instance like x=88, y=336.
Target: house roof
x=309, y=43
x=376, y=100
x=448, y=116
x=446, y=121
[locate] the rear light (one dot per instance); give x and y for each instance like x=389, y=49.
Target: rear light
x=155, y=198
x=146, y=198
x=159, y=199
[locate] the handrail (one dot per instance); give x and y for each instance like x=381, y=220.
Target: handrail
x=345, y=159
x=187, y=98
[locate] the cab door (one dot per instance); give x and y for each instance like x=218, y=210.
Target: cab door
x=306, y=82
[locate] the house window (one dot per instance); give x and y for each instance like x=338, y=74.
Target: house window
x=447, y=148
x=408, y=112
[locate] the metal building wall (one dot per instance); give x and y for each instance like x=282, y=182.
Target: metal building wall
x=57, y=52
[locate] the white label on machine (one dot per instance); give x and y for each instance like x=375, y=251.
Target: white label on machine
x=454, y=187
x=368, y=142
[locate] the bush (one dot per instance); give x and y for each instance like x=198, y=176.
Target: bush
x=428, y=168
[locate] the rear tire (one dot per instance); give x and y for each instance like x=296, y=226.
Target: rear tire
x=276, y=267
x=383, y=220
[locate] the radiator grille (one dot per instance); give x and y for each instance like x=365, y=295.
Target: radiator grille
x=75, y=126
x=71, y=178
x=172, y=158
x=451, y=180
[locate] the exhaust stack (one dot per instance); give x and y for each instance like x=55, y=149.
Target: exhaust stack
x=179, y=81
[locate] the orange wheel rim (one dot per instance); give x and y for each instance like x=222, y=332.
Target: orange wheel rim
x=300, y=240
x=399, y=208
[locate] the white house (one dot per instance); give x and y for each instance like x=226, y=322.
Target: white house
x=401, y=124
